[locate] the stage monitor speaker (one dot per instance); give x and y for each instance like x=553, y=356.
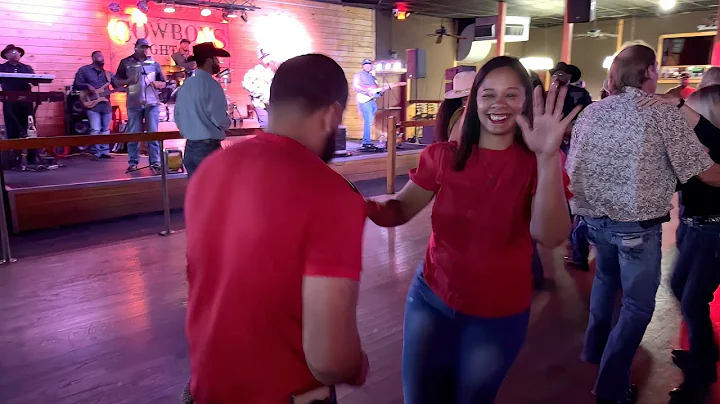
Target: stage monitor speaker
x=580, y=11
x=415, y=61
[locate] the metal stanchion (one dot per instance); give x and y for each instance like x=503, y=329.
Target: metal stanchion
x=163, y=181
x=392, y=154
x=4, y=233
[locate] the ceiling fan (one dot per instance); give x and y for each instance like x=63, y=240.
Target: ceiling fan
x=443, y=32
x=596, y=34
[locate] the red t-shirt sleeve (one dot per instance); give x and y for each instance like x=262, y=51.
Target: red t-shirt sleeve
x=335, y=234
x=566, y=178
x=428, y=174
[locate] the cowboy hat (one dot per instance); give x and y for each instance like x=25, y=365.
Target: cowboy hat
x=461, y=86
x=12, y=47
x=207, y=50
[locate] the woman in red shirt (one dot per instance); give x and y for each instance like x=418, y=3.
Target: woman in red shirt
x=498, y=189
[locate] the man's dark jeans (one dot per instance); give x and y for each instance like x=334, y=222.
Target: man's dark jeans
x=696, y=277
x=196, y=151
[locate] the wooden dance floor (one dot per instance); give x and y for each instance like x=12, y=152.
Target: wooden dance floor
x=105, y=325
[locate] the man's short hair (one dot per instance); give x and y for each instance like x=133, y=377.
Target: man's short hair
x=92, y=55
x=629, y=67
x=310, y=82
x=184, y=40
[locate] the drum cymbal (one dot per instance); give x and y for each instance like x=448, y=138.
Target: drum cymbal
x=172, y=68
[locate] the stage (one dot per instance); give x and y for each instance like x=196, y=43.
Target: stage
x=83, y=190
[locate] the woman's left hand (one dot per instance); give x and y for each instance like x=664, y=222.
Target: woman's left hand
x=548, y=128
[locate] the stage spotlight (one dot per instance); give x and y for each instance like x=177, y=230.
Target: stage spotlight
x=231, y=14
x=114, y=7
x=169, y=8
x=142, y=5
x=205, y=12
x=244, y=16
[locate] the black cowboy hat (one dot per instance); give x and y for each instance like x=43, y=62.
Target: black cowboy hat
x=207, y=50
x=12, y=47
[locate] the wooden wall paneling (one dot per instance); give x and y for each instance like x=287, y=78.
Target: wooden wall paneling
x=59, y=35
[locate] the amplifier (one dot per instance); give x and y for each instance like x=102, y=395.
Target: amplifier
x=341, y=139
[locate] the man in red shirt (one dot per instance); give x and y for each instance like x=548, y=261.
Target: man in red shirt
x=274, y=242
x=683, y=90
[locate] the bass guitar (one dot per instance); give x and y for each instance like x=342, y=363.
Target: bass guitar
x=102, y=94
x=375, y=92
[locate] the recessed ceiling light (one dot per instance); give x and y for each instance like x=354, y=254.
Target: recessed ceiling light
x=667, y=5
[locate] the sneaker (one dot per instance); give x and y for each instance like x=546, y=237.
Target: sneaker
x=105, y=156
x=131, y=168
x=156, y=169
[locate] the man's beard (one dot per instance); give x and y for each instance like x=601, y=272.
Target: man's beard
x=215, y=69
x=329, y=151
x=100, y=64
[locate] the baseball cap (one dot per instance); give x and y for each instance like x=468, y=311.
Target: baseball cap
x=367, y=62
x=143, y=42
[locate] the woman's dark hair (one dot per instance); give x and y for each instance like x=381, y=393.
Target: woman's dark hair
x=471, y=127
x=442, y=122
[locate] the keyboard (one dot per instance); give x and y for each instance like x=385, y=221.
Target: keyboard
x=41, y=96
x=40, y=78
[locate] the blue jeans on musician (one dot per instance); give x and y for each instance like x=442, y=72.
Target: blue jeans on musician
x=450, y=357
x=579, y=244
x=151, y=115
x=99, y=124
x=368, y=110
x=694, y=282
x=628, y=261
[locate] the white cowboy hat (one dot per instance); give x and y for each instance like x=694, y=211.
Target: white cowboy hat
x=462, y=84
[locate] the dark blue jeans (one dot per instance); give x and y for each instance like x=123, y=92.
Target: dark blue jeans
x=628, y=260
x=579, y=243
x=450, y=357
x=696, y=277
x=368, y=110
x=196, y=151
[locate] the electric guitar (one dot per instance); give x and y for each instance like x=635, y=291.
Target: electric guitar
x=375, y=92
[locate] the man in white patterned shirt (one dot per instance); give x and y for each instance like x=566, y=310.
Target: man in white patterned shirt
x=624, y=163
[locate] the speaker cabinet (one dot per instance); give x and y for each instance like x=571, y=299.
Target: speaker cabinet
x=76, y=116
x=580, y=11
x=415, y=61
x=341, y=139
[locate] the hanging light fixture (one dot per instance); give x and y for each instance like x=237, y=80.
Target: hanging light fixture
x=205, y=12
x=169, y=7
x=244, y=16
x=231, y=14
x=142, y=5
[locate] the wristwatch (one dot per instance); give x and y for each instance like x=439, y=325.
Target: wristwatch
x=681, y=103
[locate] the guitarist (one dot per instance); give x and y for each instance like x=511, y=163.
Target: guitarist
x=94, y=82
x=363, y=84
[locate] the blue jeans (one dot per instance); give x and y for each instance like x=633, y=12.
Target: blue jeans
x=151, y=114
x=99, y=124
x=537, y=267
x=627, y=260
x=579, y=243
x=368, y=110
x=449, y=357
x=696, y=277
x=196, y=151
